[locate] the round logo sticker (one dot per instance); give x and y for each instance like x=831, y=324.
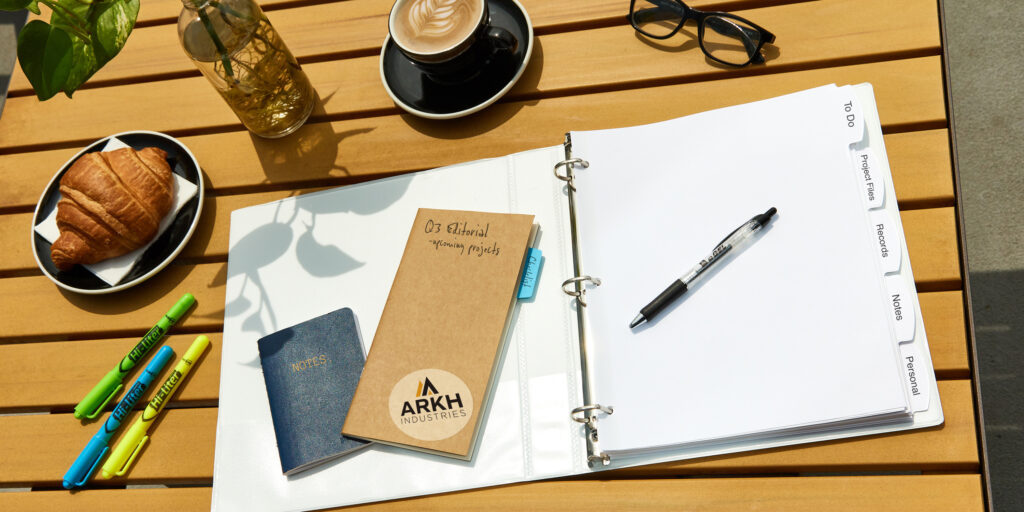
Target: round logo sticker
x=430, y=404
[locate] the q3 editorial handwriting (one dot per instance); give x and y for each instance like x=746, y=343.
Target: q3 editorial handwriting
x=468, y=239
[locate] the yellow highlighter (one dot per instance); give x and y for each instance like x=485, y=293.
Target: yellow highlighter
x=136, y=437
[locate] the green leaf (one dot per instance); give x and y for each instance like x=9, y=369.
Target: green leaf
x=84, y=66
x=45, y=53
x=80, y=20
x=14, y=5
x=113, y=22
x=33, y=6
x=85, y=62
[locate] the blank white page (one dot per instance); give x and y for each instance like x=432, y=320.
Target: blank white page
x=790, y=333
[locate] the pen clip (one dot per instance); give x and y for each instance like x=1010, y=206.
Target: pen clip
x=99, y=410
x=87, y=474
x=131, y=458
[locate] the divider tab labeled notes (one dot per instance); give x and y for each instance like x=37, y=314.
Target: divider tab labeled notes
x=901, y=307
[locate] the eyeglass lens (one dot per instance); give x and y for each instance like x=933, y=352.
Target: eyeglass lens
x=657, y=18
x=730, y=40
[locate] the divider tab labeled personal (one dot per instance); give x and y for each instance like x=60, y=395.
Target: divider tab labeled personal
x=916, y=383
x=886, y=241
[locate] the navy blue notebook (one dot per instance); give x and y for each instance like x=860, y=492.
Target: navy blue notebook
x=311, y=371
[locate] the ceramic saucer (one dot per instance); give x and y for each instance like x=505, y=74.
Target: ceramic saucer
x=160, y=252
x=417, y=94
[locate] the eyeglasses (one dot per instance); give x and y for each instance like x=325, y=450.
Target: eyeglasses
x=723, y=37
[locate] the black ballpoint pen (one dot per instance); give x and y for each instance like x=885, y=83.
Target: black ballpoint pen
x=679, y=287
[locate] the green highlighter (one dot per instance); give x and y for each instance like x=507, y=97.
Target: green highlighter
x=93, y=403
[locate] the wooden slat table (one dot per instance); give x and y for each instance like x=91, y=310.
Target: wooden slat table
x=588, y=71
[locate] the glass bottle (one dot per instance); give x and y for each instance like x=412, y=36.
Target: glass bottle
x=240, y=53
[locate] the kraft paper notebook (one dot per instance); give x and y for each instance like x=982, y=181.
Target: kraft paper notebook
x=429, y=374
x=812, y=333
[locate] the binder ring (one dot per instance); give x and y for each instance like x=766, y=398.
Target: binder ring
x=569, y=164
x=582, y=410
x=582, y=291
x=580, y=415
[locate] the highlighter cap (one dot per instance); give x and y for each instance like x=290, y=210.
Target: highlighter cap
x=196, y=349
x=162, y=357
x=178, y=310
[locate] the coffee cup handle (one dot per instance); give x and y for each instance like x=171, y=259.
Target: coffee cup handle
x=502, y=40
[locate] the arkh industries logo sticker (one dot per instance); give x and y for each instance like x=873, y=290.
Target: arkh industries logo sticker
x=430, y=405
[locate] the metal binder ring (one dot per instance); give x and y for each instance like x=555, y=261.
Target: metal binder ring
x=580, y=415
x=569, y=164
x=582, y=410
x=582, y=291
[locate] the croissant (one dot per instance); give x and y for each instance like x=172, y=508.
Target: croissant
x=111, y=204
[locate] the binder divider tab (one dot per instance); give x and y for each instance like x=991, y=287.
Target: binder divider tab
x=587, y=413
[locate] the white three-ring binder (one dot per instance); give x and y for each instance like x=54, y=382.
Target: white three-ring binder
x=812, y=333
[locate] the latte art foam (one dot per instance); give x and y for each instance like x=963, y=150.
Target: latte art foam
x=431, y=26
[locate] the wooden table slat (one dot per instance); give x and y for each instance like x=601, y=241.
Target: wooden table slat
x=38, y=449
x=879, y=493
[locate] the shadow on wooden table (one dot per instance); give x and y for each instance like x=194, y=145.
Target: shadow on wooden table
x=158, y=289
x=310, y=153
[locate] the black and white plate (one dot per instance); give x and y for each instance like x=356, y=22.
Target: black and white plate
x=160, y=252
x=417, y=94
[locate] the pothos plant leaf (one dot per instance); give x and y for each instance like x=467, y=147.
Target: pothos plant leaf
x=73, y=16
x=15, y=5
x=113, y=22
x=96, y=31
x=45, y=53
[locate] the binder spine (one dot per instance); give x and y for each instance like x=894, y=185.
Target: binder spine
x=576, y=287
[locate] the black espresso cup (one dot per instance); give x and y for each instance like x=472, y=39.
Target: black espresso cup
x=451, y=41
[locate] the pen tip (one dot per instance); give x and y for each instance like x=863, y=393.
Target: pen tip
x=637, y=321
x=67, y=485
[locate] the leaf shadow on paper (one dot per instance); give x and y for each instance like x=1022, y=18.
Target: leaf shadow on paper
x=268, y=243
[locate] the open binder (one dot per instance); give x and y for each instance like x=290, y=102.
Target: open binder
x=566, y=399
